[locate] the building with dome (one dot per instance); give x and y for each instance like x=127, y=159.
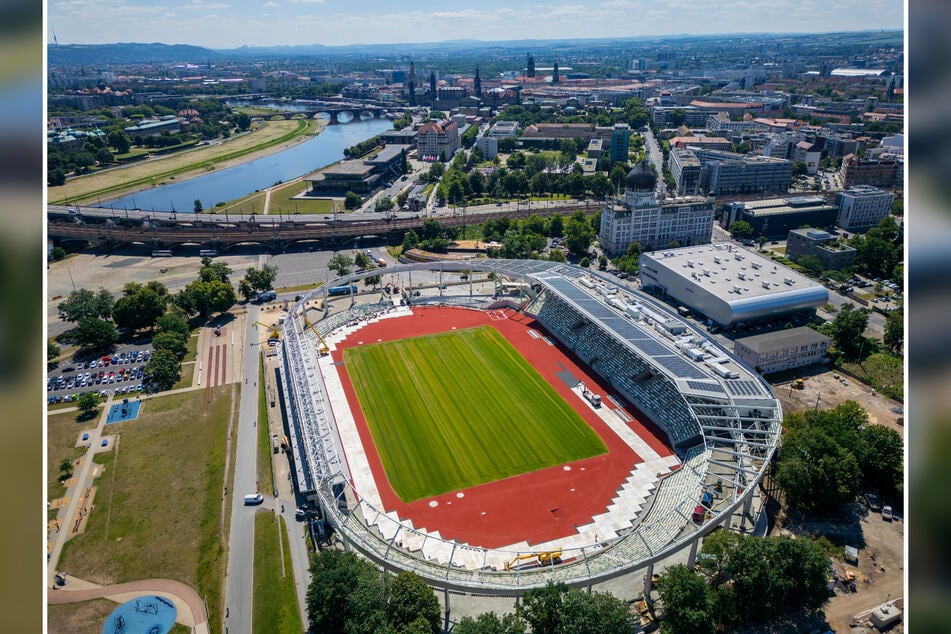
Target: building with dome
x=637, y=216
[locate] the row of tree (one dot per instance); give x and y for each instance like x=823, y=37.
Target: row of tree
x=742, y=581
x=98, y=316
x=349, y=594
x=828, y=456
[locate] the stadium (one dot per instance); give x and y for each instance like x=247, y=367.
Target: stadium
x=498, y=424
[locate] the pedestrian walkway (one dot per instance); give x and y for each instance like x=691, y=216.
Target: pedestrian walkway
x=80, y=495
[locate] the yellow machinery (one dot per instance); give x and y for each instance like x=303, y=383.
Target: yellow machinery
x=275, y=331
x=547, y=558
x=799, y=384
x=323, y=348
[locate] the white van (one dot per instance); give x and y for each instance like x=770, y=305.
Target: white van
x=252, y=499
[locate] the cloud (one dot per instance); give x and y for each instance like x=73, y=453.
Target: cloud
x=306, y=1
x=270, y=5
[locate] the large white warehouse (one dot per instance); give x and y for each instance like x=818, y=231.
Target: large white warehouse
x=728, y=284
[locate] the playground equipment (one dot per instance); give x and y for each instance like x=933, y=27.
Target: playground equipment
x=323, y=348
x=545, y=558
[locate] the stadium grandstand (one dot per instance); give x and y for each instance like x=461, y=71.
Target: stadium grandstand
x=721, y=419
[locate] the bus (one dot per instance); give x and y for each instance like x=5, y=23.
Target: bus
x=208, y=253
x=342, y=290
x=161, y=253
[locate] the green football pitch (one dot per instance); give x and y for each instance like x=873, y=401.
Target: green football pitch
x=456, y=409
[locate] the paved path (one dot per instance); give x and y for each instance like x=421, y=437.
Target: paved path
x=83, y=479
x=240, y=576
x=189, y=606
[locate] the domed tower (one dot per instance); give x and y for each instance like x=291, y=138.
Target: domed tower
x=641, y=178
x=640, y=185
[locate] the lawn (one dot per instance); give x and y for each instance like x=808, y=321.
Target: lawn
x=158, y=506
x=62, y=431
x=265, y=469
x=281, y=202
x=275, y=601
x=884, y=372
x=457, y=409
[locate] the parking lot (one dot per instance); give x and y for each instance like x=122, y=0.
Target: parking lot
x=114, y=374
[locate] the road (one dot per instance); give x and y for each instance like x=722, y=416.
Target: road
x=656, y=157
x=239, y=585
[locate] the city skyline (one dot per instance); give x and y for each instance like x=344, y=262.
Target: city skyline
x=227, y=24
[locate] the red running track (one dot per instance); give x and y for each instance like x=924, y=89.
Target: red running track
x=536, y=507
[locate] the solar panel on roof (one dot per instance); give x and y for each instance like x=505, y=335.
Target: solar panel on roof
x=705, y=387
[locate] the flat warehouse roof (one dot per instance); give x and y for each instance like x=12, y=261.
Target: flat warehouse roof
x=782, y=339
x=720, y=269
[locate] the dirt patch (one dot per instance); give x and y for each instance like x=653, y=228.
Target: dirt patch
x=822, y=389
x=79, y=618
x=879, y=573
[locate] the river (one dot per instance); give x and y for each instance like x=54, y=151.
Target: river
x=240, y=180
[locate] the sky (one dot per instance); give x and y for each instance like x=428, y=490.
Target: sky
x=234, y=23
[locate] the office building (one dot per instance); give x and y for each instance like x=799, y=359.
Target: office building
x=728, y=173
x=638, y=217
x=685, y=169
x=883, y=172
x=776, y=217
x=620, y=142
x=862, y=207
x=437, y=140
x=821, y=245
x=782, y=350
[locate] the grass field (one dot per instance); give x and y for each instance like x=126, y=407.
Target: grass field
x=158, y=505
x=457, y=409
x=275, y=601
x=62, y=431
x=265, y=469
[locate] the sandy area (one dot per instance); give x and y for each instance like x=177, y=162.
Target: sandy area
x=76, y=188
x=822, y=386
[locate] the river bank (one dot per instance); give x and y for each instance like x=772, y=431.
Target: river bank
x=270, y=138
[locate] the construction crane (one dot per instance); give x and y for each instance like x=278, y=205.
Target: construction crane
x=323, y=348
x=547, y=558
x=274, y=330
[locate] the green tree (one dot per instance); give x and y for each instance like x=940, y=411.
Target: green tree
x=490, y=623
x=93, y=333
x=56, y=177
x=83, y=303
x=687, y=602
x=883, y=457
x=799, y=168
x=173, y=321
x=810, y=264
x=212, y=271
x=410, y=240
x=352, y=200
x=104, y=156
x=341, y=263
x=242, y=120
x=361, y=260
x=87, y=403
x=171, y=341
x=261, y=279
x=741, y=229
x=120, y=141
x=163, y=369
x=346, y=594
x=66, y=467
x=579, y=234
x=847, y=330
x=894, y=333
x=384, y=203
x=557, y=609
x=816, y=473
x=676, y=117
x=245, y=290
x=207, y=297
x=52, y=351
x=411, y=599
x=198, y=207
x=140, y=306
x=557, y=255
